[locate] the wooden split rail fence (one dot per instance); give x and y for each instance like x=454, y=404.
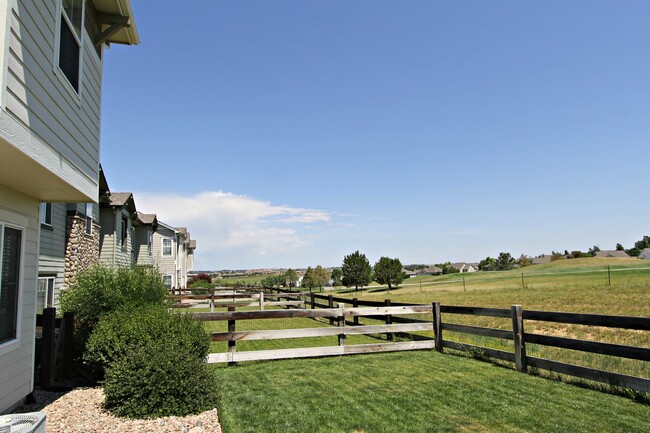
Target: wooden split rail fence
x=340, y=315
x=243, y=298
x=346, y=321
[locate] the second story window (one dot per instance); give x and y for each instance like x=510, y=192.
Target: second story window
x=46, y=214
x=89, y=218
x=166, y=247
x=72, y=13
x=125, y=231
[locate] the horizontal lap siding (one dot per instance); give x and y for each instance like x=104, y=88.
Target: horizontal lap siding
x=53, y=239
x=16, y=365
x=166, y=264
x=38, y=97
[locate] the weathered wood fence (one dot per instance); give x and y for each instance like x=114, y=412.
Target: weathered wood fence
x=218, y=297
x=54, y=348
x=520, y=338
x=342, y=316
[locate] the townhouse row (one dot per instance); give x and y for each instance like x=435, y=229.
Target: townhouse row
x=75, y=236
x=52, y=54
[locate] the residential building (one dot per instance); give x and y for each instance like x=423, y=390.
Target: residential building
x=431, y=270
x=466, y=267
x=51, y=57
x=171, y=248
x=145, y=225
x=619, y=254
x=117, y=213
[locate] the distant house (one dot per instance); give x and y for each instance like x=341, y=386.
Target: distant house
x=466, y=267
x=409, y=274
x=171, y=249
x=116, y=216
x=145, y=225
x=619, y=254
x=51, y=61
x=431, y=270
x=541, y=260
x=645, y=254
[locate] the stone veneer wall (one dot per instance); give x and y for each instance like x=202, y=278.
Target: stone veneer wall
x=81, y=250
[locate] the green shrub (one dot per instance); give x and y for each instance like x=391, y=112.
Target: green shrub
x=159, y=379
x=99, y=290
x=127, y=328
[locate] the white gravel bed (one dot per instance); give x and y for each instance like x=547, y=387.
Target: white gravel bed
x=80, y=411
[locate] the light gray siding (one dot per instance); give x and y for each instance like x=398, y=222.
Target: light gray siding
x=165, y=264
x=38, y=94
x=112, y=252
x=17, y=356
x=53, y=238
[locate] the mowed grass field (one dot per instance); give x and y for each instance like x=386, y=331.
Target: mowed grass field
x=577, y=285
x=424, y=391
x=412, y=392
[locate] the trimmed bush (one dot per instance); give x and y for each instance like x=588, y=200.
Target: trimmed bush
x=99, y=290
x=159, y=379
x=120, y=332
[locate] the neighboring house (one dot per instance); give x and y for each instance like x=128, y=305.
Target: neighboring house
x=69, y=242
x=145, y=226
x=117, y=213
x=431, y=270
x=51, y=56
x=645, y=254
x=465, y=267
x=541, y=260
x=611, y=254
x=190, y=255
x=170, y=254
x=409, y=274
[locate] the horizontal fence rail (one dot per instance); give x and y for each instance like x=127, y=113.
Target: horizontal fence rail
x=520, y=338
x=341, y=316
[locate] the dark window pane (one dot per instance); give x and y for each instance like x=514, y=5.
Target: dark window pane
x=9, y=283
x=69, y=55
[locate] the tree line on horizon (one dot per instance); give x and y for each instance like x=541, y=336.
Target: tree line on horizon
x=356, y=271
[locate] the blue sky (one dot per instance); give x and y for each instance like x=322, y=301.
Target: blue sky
x=291, y=133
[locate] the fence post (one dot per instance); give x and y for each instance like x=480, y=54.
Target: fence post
x=212, y=300
x=342, y=326
x=311, y=296
x=518, y=334
x=261, y=301
x=437, y=327
x=68, y=344
x=330, y=302
x=355, y=304
x=232, y=326
x=389, y=321
x=48, y=359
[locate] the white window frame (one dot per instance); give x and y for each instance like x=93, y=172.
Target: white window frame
x=171, y=281
x=62, y=19
x=171, y=247
x=43, y=214
x=88, y=229
x=49, y=288
x=14, y=343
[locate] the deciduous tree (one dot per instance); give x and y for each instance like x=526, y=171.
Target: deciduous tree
x=504, y=262
x=389, y=271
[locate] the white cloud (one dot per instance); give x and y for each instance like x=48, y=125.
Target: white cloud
x=231, y=228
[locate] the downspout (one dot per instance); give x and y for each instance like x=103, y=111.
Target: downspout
x=114, y=234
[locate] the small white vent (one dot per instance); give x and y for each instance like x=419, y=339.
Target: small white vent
x=23, y=423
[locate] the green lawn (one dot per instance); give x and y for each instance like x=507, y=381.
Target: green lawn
x=412, y=392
